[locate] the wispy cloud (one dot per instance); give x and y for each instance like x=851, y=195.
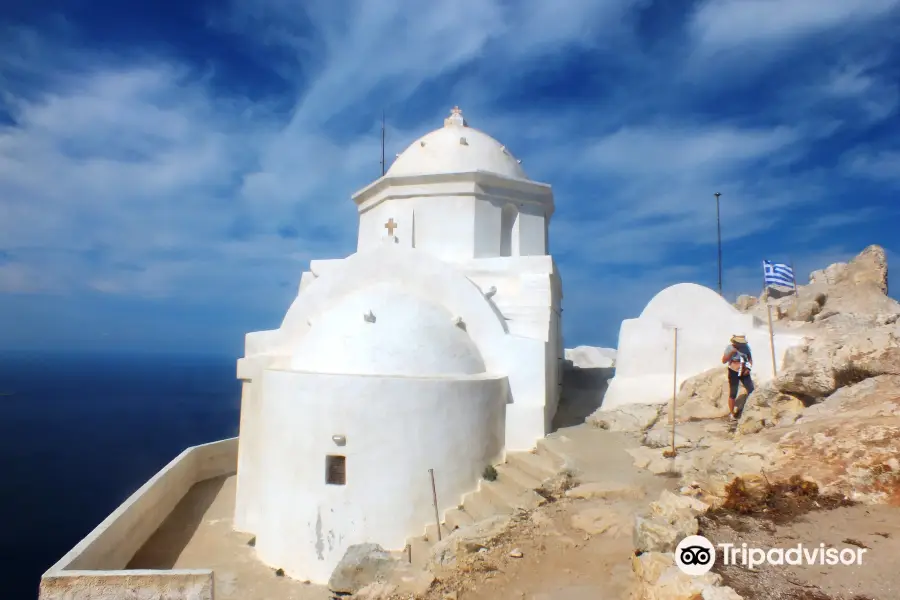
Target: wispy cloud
x=758, y=24
x=152, y=174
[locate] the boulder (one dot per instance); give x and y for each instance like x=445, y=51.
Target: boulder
x=671, y=506
x=378, y=590
x=652, y=534
x=590, y=357
x=468, y=540
x=703, y=396
x=669, y=520
x=630, y=418
x=361, y=565
x=672, y=584
x=807, y=308
x=648, y=566
x=769, y=407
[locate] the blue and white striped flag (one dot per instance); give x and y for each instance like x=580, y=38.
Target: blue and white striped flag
x=778, y=274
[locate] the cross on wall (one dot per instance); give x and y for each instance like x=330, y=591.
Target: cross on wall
x=390, y=226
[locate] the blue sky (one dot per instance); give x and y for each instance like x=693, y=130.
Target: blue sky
x=168, y=169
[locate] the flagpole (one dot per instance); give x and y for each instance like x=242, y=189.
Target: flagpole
x=765, y=286
x=794, y=278
x=382, y=144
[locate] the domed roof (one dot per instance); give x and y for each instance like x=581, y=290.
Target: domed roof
x=456, y=148
x=385, y=330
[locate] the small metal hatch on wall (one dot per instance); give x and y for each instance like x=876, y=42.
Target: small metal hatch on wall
x=335, y=470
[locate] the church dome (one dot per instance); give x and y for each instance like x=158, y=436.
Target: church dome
x=385, y=330
x=456, y=148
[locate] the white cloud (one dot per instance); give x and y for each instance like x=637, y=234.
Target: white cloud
x=729, y=24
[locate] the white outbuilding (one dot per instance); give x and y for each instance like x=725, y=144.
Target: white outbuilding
x=437, y=345
x=705, y=321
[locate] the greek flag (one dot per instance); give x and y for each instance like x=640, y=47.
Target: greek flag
x=778, y=274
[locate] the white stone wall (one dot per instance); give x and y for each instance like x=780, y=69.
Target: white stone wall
x=395, y=429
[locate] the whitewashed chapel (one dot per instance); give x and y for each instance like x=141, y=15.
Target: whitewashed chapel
x=437, y=345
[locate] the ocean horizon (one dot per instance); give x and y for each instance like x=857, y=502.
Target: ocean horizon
x=80, y=432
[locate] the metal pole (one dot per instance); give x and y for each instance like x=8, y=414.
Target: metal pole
x=674, y=388
x=382, y=144
x=719, y=232
x=771, y=339
x=437, y=515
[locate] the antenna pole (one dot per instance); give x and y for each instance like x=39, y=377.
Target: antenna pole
x=382, y=143
x=719, y=232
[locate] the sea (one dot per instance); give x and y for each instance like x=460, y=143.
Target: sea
x=79, y=433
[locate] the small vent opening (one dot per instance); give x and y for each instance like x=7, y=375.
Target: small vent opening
x=336, y=470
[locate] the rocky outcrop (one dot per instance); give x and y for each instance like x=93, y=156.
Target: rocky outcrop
x=841, y=297
x=831, y=415
x=868, y=268
x=817, y=369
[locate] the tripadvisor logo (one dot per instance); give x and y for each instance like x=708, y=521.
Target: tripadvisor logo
x=696, y=555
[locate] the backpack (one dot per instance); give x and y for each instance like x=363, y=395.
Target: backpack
x=744, y=358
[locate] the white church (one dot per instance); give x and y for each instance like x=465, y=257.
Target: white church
x=437, y=345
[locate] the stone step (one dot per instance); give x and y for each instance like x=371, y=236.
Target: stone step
x=554, y=449
x=538, y=466
x=511, y=472
x=431, y=532
x=510, y=494
x=457, y=518
x=482, y=506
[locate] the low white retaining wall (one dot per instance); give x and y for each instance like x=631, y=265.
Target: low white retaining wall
x=194, y=584
x=97, y=562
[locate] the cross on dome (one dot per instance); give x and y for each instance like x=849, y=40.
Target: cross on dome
x=456, y=118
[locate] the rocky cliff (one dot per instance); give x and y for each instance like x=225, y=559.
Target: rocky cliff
x=832, y=414
x=827, y=426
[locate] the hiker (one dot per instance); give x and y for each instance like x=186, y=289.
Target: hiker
x=740, y=362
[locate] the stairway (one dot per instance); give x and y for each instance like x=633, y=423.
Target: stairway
x=517, y=479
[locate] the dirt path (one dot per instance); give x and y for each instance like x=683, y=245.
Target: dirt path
x=573, y=548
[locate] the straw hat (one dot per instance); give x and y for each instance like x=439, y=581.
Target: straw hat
x=738, y=339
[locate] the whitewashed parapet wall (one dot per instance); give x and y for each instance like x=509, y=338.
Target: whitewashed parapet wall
x=96, y=566
x=705, y=322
